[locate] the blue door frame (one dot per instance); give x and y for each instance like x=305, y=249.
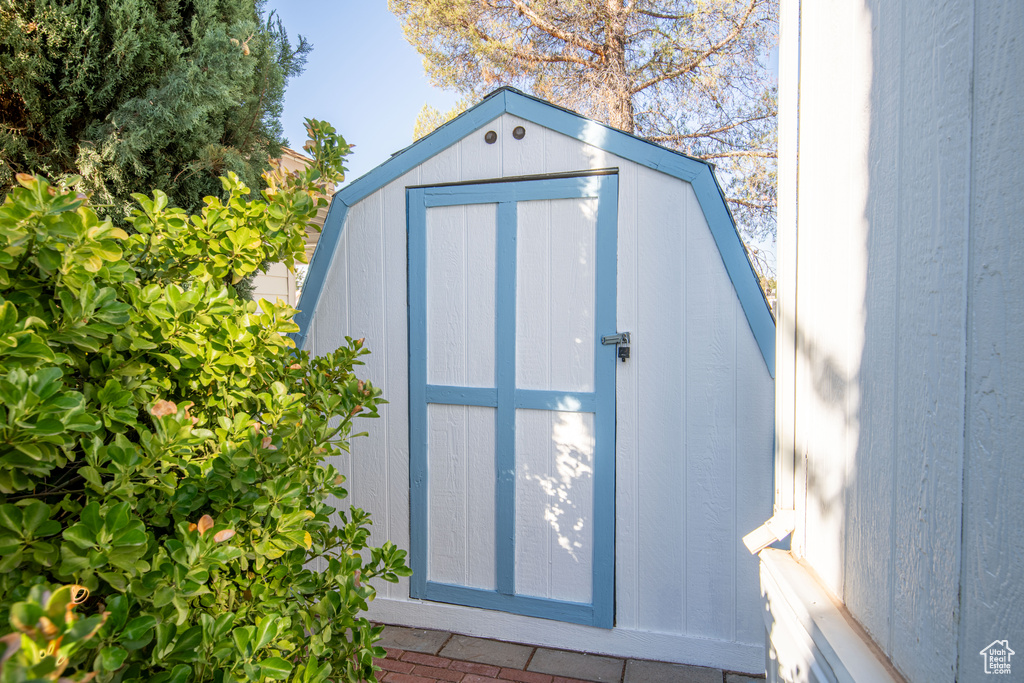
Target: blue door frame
x=506, y=398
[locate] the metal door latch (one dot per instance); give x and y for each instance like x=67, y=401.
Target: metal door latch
x=622, y=339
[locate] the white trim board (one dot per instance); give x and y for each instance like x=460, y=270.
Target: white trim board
x=667, y=647
x=814, y=627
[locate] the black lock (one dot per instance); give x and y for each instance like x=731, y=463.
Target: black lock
x=623, y=353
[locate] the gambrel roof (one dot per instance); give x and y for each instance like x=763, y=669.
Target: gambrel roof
x=698, y=173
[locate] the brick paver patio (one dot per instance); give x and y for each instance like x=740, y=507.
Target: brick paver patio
x=425, y=656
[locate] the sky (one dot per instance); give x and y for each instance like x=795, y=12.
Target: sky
x=362, y=77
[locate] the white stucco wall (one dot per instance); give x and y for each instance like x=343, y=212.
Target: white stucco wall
x=694, y=411
x=900, y=371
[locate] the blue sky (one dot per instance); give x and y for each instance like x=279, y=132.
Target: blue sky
x=362, y=77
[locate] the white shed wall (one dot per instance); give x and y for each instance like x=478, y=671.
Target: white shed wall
x=694, y=410
x=901, y=373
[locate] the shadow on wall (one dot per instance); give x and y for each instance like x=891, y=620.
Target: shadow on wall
x=567, y=485
x=884, y=172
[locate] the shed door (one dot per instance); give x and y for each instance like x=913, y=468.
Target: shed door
x=512, y=395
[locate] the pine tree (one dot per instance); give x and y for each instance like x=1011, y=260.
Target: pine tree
x=137, y=95
x=689, y=74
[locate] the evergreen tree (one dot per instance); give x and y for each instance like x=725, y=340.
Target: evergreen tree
x=136, y=95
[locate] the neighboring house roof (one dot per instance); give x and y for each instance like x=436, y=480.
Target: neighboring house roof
x=698, y=173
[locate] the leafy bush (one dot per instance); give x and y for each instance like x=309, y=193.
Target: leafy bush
x=162, y=445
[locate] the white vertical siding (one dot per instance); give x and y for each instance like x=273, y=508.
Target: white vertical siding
x=785, y=257
x=992, y=589
x=711, y=458
x=904, y=308
x=556, y=246
x=869, y=569
x=660, y=359
x=881, y=279
x=364, y=252
x=460, y=495
x=753, y=475
x=628, y=499
x=693, y=461
x=933, y=215
x=392, y=521
x=554, y=503
x=460, y=295
x=277, y=283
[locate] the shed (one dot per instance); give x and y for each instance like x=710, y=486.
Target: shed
x=553, y=486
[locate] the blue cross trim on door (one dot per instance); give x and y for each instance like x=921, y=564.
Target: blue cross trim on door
x=506, y=397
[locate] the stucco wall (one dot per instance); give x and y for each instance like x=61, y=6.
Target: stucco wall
x=901, y=260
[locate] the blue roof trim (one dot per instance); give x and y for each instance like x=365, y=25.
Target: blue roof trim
x=737, y=264
x=694, y=171
x=604, y=137
x=319, y=265
x=409, y=158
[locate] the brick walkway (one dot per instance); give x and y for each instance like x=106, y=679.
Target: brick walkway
x=423, y=656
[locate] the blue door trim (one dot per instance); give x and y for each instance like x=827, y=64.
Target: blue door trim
x=462, y=396
x=531, y=399
x=416, y=215
x=506, y=398
x=505, y=379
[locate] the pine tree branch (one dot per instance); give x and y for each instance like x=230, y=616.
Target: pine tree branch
x=749, y=204
x=517, y=54
x=555, y=32
x=706, y=133
x=752, y=153
x=697, y=61
x=526, y=56
x=670, y=17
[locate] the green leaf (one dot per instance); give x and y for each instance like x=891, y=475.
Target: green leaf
x=188, y=641
x=116, y=580
x=11, y=518
x=266, y=631
x=80, y=536
x=275, y=668
x=111, y=658
x=118, y=607
x=84, y=629
x=138, y=632
x=180, y=674
x=243, y=637
x=131, y=536
x=173, y=361
x=90, y=517
x=34, y=514
x=116, y=517
x=8, y=544
x=11, y=561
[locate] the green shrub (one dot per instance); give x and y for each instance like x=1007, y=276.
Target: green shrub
x=162, y=445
